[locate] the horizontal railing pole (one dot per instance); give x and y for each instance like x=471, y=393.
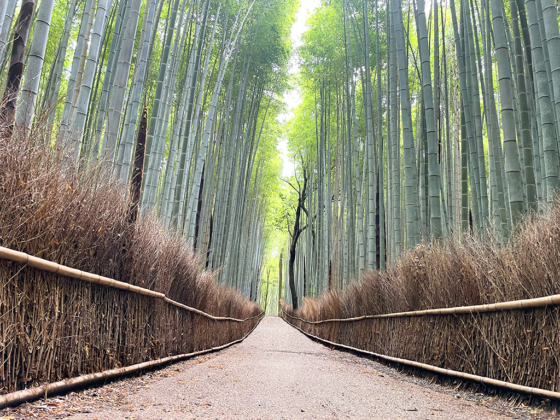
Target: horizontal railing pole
x=55, y=268
x=216, y=318
x=541, y=302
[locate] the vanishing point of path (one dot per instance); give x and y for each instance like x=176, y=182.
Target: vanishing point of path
x=278, y=373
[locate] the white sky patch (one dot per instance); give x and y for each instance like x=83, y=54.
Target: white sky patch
x=292, y=98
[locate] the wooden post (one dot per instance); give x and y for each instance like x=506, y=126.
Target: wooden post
x=279, y=284
x=16, y=66
x=138, y=168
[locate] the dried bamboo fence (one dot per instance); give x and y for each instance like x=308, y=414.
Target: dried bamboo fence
x=513, y=345
x=53, y=327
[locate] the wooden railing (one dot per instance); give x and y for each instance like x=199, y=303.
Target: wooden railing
x=55, y=268
x=341, y=332
x=184, y=326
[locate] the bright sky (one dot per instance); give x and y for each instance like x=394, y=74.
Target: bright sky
x=293, y=98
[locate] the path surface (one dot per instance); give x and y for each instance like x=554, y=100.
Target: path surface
x=278, y=373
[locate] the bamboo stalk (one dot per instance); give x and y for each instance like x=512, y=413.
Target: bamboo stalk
x=541, y=302
x=482, y=379
x=32, y=394
x=52, y=267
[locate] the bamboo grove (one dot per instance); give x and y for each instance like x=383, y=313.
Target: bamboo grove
x=419, y=120
x=180, y=94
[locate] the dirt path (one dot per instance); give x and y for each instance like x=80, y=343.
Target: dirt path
x=278, y=373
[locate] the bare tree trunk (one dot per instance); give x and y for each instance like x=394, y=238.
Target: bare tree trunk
x=138, y=169
x=280, y=266
x=15, y=69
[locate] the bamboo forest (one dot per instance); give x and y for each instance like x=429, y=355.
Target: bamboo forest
x=320, y=160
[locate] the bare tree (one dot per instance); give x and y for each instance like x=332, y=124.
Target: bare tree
x=296, y=231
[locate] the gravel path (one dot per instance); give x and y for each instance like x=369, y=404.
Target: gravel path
x=276, y=373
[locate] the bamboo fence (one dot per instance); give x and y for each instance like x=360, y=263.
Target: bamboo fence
x=53, y=328
x=512, y=345
x=52, y=267
x=18, y=397
x=462, y=375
